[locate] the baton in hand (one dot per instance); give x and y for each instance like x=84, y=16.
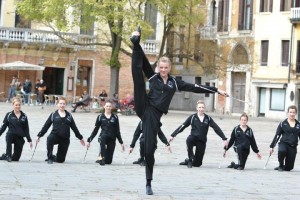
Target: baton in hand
x=126, y=158
x=85, y=154
x=267, y=161
x=224, y=154
x=33, y=152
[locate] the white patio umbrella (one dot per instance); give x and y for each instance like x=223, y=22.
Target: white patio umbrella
x=19, y=65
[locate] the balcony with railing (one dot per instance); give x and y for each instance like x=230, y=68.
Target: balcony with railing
x=71, y=40
x=295, y=15
x=208, y=32
x=151, y=47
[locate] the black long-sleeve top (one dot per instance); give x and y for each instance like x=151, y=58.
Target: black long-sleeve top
x=246, y=139
x=160, y=94
x=139, y=131
x=109, y=126
x=198, y=128
x=289, y=135
x=18, y=126
x=61, y=125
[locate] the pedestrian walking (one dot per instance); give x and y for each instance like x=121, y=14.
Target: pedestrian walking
x=200, y=123
x=18, y=128
x=242, y=137
x=61, y=121
x=151, y=106
x=288, y=132
x=12, y=89
x=110, y=131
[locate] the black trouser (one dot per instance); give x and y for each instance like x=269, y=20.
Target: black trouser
x=286, y=155
x=142, y=148
x=18, y=142
x=242, y=153
x=79, y=103
x=62, y=149
x=196, y=158
x=107, y=148
x=149, y=115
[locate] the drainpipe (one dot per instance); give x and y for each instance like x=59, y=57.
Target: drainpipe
x=291, y=47
x=290, y=53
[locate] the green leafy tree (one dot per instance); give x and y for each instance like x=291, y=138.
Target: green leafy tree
x=117, y=19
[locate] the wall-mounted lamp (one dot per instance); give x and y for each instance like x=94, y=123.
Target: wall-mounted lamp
x=292, y=96
x=73, y=65
x=42, y=61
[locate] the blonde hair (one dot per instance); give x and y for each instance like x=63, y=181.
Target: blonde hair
x=62, y=98
x=200, y=102
x=164, y=59
x=16, y=99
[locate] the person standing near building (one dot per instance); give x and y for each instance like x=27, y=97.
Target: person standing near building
x=18, y=128
x=12, y=89
x=150, y=107
x=200, y=123
x=110, y=131
x=288, y=131
x=136, y=135
x=41, y=90
x=61, y=121
x=18, y=86
x=242, y=137
x=27, y=87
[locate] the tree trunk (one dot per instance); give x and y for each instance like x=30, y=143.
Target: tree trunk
x=114, y=80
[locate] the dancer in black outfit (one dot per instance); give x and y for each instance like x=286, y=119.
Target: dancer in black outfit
x=200, y=123
x=288, y=131
x=136, y=135
x=242, y=137
x=18, y=128
x=61, y=121
x=150, y=107
x=110, y=131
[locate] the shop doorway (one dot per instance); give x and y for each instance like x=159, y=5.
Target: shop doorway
x=262, y=102
x=54, y=80
x=83, y=79
x=238, y=91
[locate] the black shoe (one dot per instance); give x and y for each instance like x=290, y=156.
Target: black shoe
x=240, y=168
x=138, y=161
x=98, y=161
x=232, y=164
x=149, y=190
x=190, y=164
x=280, y=168
x=50, y=161
x=102, y=162
x=135, y=39
x=8, y=159
x=3, y=157
x=185, y=162
x=142, y=163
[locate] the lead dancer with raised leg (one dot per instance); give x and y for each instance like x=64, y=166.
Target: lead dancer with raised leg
x=150, y=107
